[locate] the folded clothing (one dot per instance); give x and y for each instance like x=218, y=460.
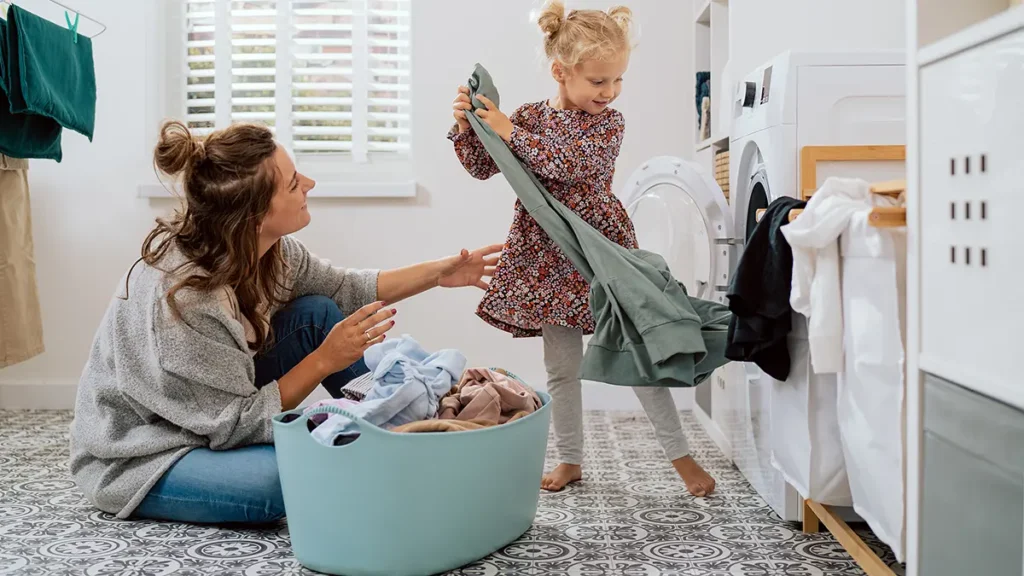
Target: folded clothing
x=488, y=395
x=408, y=386
x=24, y=135
x=50, y=72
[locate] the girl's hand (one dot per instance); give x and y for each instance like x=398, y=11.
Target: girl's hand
x=469, y=268
x=495, y=118
x=460, y=105
x=348, y=339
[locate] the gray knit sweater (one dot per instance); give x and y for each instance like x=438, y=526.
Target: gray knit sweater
x=155, y=387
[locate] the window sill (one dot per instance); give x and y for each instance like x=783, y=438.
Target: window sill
x=401, y=189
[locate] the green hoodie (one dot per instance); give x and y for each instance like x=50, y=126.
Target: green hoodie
x=649, y=332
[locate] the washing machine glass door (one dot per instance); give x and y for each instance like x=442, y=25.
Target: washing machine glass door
x=679, y=212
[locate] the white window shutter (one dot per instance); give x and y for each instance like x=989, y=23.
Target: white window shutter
x=330, y=77
x=389, y=95
x=200, y=83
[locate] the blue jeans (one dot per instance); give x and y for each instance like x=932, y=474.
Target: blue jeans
x=242, y=485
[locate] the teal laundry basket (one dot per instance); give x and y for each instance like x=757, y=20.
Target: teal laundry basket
x=409, y=504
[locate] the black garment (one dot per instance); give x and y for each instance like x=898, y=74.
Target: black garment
x=759, y=295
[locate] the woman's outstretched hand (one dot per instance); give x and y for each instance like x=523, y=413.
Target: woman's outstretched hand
x=469, y=268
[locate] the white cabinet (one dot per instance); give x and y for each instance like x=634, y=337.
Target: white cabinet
x=972, y=247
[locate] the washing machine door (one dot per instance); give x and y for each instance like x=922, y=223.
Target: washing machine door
x=680, y=212
x=752, y=191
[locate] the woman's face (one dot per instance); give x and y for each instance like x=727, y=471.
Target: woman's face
x=288, y=213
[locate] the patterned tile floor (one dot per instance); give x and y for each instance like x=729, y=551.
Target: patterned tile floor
x=631, y=517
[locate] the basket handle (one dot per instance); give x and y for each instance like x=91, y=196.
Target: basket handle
x=363, y=424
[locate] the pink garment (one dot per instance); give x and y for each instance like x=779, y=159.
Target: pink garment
x=484, y=394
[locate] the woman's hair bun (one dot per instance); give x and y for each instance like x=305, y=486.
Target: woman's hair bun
x=177, y=148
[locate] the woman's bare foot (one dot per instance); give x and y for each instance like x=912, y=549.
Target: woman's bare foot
x=562, y=475
x=698, y=482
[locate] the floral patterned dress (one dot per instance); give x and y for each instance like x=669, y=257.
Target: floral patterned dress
x=573, y=154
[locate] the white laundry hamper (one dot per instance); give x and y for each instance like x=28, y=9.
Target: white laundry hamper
x=807, y=447
x=409, y=504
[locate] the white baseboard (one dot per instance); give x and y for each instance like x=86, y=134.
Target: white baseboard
x=38, y=395
x=713, y=431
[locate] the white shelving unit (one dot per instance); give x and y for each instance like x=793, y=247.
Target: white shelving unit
x=964, y=71
x=711, y=53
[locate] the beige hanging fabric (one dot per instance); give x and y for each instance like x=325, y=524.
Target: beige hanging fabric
x=21, y=324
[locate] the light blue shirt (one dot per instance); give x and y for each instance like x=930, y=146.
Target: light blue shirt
x=408, y=386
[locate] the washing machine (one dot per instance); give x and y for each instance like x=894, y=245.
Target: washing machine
x=791, y=101
x=679, y=211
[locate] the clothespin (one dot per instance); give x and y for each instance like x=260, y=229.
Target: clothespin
x=72, y=27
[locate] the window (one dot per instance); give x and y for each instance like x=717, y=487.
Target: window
x=331, y=78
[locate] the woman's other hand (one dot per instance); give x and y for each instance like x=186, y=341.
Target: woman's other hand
x=470, y=268
x=349, y=339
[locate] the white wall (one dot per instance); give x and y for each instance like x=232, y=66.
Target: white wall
x=759, y=29
x=89, y=223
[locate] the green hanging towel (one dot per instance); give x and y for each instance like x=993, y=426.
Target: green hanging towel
x=49, y=72
x=24, y=135
x=649, y=332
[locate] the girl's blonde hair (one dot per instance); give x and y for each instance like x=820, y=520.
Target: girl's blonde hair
x=585, y=34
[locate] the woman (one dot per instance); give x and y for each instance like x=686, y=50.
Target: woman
x=224, y=322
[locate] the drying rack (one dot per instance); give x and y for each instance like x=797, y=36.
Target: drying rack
x=55, y=11
x=815, y=513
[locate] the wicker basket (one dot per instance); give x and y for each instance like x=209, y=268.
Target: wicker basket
x=722, y=171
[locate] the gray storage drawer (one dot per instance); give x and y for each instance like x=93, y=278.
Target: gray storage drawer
x=972, y=511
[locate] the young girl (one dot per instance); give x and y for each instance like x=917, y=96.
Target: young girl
x=571, y=143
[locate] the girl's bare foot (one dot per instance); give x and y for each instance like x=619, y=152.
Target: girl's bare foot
x=698, y=482
x=562, y=475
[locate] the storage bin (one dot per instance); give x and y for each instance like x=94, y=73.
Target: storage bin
x=409, y=504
